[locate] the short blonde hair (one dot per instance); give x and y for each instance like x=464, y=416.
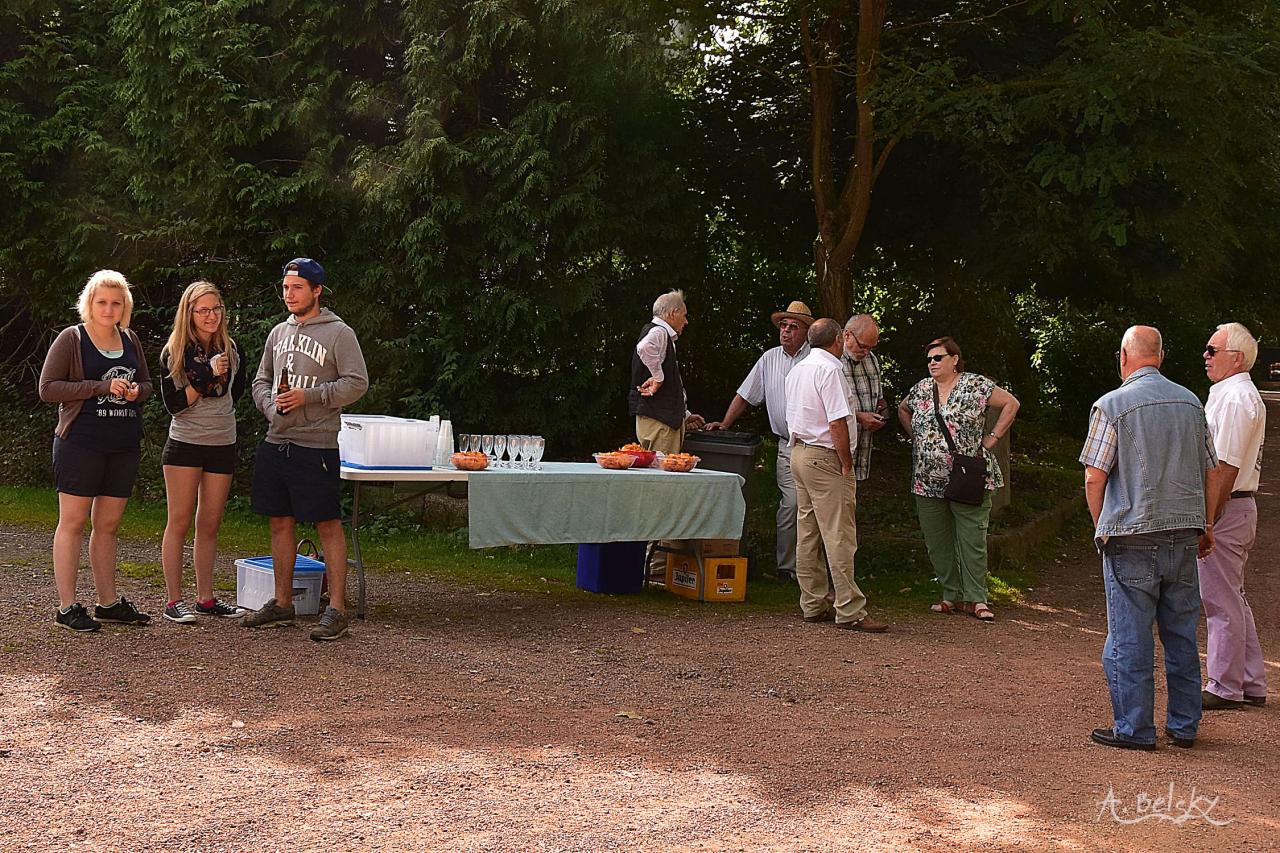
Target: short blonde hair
x=105, y=278
x=1240, y=339
x=668, y=303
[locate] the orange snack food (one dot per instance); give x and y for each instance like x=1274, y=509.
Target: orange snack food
x=679, y=462
x=472, y=460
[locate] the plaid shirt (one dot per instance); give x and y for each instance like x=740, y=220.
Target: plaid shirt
x=863, y=378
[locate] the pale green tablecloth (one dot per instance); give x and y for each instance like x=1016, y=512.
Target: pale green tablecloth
x=575, y=502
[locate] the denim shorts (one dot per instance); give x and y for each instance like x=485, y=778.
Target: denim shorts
x=302, y=482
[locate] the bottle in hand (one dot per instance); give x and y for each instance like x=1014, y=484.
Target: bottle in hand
x=281, y=388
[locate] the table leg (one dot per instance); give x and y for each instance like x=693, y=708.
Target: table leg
x=355, y=548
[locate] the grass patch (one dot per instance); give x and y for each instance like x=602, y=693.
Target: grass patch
x=428, y=543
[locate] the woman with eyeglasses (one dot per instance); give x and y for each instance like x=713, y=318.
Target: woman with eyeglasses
x=203, y=376
x=955, y=533
x=97, y=374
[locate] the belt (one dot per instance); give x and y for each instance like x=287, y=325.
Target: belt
x=816, y=446
x=1235, y=495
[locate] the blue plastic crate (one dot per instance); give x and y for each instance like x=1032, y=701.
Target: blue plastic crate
x=611, y=567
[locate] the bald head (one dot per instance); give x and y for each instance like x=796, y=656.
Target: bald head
x=1140, y=347
x=825, y=334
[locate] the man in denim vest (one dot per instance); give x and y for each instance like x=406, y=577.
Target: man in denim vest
x=1149, y=463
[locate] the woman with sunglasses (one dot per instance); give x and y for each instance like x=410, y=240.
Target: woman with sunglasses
x=955, y=533
x=203, y=376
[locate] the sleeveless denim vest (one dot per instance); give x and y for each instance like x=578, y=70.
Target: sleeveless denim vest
x=1158, y=480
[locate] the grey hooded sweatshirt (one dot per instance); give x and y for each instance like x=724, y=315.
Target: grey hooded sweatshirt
x=321, y=356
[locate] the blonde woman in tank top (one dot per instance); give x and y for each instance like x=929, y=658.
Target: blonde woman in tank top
x=202, y=377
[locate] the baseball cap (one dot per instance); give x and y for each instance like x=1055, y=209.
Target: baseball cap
x=306, y=268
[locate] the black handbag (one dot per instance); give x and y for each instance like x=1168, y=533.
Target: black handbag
x=968, y=481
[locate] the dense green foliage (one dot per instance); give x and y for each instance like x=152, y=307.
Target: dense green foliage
x=500, y=188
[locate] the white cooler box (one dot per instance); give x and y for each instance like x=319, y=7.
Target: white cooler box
x=256, y=582
x=381, y=441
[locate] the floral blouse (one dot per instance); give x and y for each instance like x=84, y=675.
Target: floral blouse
x=965, y=412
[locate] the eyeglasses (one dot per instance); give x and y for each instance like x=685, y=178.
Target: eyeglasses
x=1212, y=350
x=861, y=345
x=215, y=311
x=934, y=359
x=791, y=326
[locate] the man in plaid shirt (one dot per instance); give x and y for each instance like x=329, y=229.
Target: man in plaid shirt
x=862, y=375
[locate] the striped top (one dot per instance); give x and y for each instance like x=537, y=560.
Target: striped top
x=767, y=383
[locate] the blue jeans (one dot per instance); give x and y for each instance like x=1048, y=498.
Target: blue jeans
x=1152, y=578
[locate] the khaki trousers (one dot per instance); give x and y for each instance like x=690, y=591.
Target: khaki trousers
x=653, y=434
x=825, y=517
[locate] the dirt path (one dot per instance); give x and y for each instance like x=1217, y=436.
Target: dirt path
x=466, y=721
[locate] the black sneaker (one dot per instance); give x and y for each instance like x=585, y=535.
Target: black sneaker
x=217, y=608
x=179, y=612
x=122, y=612
x=76, y=619
x=333, y=624
x=270, y=615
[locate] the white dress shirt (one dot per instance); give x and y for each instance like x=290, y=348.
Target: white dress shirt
x=1238, y=420
x=767, y=383
x=652, y=348
x=816, y=397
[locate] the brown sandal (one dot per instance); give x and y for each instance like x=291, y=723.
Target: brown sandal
x=982, y=612
x=944, y=606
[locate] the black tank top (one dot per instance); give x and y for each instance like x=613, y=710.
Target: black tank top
x=108, y=423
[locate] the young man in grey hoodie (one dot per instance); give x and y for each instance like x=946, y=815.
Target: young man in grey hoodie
x=296, y=470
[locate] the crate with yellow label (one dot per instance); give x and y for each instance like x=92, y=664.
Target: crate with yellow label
x=718, y=579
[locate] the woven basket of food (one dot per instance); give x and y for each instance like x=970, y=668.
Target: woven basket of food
x=469, y=461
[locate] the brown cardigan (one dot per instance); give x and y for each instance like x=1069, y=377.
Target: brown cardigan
x=62, y=377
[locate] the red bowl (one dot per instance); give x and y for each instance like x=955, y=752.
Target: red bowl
x=644, y=458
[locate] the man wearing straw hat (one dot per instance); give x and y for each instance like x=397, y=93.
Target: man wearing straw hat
x=766, y=383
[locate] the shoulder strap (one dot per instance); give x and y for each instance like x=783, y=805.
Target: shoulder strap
x=942, y=425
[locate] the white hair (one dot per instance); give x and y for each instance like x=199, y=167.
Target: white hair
x=1242, y=341
x=668, y=303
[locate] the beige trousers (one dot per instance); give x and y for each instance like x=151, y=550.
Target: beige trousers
x=825, y=517
x=655, y=435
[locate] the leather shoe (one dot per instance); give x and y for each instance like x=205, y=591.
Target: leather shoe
x=1257, y=701
x=1214, y=702
x=1107, y=737
x=1183, y=742
x=787, y=577
x=866, y=624
x=824, y=616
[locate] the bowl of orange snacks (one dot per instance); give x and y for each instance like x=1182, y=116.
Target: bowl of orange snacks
x=472, y=460
x=617, y=460
x=644, y=457
x=679, y=462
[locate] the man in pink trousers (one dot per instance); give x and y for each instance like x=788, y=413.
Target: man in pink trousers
x=1237, y=418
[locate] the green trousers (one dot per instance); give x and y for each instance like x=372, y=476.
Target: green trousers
x=956, y=536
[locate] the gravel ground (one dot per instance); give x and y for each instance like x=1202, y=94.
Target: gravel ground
x=461, y=720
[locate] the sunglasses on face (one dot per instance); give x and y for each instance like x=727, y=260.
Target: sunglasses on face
x=934, y=359
x=1211, y=350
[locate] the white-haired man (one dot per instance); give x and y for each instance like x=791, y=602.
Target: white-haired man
x=862, y=373
x=657, y=397
x=1238, y=419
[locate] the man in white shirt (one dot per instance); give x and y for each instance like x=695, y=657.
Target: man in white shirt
x=766, y=383
x=657, y=397
x=1238, y=420
x=820, y=424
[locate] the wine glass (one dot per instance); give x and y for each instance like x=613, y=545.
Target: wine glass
x=513, y=450
x=463, y=440
x=526, y=450
x=499, y=448
x=486, y=447
x=539, y=445
x=473, y=443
